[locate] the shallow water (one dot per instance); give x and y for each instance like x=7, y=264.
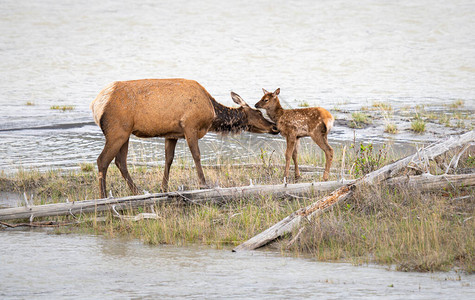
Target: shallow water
x=335, y=54
x=83, y=266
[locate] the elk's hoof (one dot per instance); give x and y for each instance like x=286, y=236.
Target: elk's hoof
x=204, y=186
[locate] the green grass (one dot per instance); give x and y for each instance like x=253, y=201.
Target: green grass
x=418, y=125
x=303, y=104
x=383, y=106
x=456, y=104
x=86, y=167
x=360, y=120
x=391, y=128
x=62, y=107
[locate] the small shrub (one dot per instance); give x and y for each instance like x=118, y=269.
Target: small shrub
x=470, y=161
x=418, y=125
x=29, y=103
x=391, y=128
x=62, y=107
x=86, y=167
x=367, y=159
x=460, y=124
x=304, y=104
x=336, y=108
x=359, y=120
x=444, y=119
x=456, y=104
x=383, y=106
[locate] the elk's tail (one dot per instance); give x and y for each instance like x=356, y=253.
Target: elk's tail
x=328, y=122
x=99, y=104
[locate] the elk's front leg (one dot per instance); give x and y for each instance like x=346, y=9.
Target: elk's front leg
x=192, y=140
x=170, y=145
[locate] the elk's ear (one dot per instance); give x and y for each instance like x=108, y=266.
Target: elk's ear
x=238, y=100
x=265, y=91
x=277, y=92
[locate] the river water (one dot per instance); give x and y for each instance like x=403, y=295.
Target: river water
x=335, y=54
x=53, y=266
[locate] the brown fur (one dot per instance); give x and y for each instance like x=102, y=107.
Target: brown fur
x=293, y=124
x=169, y=108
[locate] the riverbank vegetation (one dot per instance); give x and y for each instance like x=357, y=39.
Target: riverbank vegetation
x=398, y=227
x=62, y=107
x=424, y=120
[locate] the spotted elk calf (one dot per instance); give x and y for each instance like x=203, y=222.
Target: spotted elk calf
x=294, y=124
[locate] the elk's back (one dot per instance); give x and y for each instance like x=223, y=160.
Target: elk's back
x=154, y=107
x=303, y=121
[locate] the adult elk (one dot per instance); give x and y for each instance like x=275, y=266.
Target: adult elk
x=293, y=124
x=169, y=108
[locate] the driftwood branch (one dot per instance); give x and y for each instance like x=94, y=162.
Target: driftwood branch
x=293, y=221
x=37, y=224
x=194, y=196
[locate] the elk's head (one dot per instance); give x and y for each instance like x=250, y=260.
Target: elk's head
x=269, y=101
x=255, y=121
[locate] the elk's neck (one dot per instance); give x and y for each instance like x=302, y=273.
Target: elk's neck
x=228, y=119
x=275, y=112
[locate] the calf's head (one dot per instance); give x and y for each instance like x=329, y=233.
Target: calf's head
x=269, y=101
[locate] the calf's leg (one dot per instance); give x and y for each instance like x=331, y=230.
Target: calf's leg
x=321, y=140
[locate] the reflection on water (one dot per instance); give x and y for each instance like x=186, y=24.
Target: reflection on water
x=80, y=266
x=339, y=53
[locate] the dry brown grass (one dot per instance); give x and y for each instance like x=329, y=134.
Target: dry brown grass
x=399, y=227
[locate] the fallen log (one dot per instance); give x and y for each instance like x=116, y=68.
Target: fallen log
x=78, y=207
x=427, y=182
x=38, y=224
x=287, y=225
x=292, y=221
x=194, y=196
x=302, y=168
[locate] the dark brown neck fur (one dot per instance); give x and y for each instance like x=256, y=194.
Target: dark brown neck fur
x=228, y=119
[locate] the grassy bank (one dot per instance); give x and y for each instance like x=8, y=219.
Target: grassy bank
x=396, y=227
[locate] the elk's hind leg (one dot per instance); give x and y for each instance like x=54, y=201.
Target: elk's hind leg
x=111, y=149
x=121, y=163
x=321, y=140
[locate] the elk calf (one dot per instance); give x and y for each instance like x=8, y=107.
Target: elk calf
x=293, y=124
